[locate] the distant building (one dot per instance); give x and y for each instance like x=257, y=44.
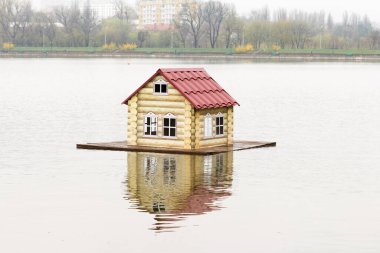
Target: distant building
x=103, y=10
x=158, y=14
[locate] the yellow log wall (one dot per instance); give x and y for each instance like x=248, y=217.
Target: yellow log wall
x=132, y=121
x=161, y=105
x=230, y=125
x=200, y=140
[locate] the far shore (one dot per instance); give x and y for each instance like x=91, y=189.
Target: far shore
x=285, y=55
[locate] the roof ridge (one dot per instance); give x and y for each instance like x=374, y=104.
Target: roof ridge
x=166, y=70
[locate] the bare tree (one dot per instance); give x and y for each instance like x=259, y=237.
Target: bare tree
x=230, y=26
x=142, y=36
x=50, y=29
x=123, y=11
x=280, y=15
x=375, y=39
x=214, y=14
x=88, y=22
x=192, y=15
x=15, y=18
x=182, y=30
x=330, y=22
x=69, y=18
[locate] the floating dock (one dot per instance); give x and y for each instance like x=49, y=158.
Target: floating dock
x=122, y=146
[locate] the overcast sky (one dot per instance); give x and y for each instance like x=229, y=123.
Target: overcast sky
x=336, y=7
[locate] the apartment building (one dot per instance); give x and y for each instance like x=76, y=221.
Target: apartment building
x=158, y=14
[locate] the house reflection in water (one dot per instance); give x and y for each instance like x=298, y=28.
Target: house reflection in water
x=175, y=186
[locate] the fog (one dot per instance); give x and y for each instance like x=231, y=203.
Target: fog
x=336, y=8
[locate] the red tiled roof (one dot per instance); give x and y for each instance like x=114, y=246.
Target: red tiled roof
x=195, y=85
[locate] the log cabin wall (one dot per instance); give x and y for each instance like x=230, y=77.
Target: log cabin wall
x=144, y=102
x=132, y=121
x=230, y=125
x=200, y=141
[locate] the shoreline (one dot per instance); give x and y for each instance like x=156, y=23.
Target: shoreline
x=283, y=57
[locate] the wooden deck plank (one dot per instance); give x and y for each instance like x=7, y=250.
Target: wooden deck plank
x=122, y=146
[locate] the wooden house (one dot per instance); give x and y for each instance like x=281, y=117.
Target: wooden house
x=181, y=108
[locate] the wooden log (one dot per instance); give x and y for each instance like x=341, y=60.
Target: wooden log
x=213, y=142
x=133, y=99
x=150, y=97
x=159, y=110
x=165, y=104
x=140, y=135
x=132, y=118
x=133, y=111
x=162, y=143
x=230, y=125
x=133, y=105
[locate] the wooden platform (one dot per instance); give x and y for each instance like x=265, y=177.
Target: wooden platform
x=122, y=146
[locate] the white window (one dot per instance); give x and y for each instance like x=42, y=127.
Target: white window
x=160, y=87
x=219, y=127
x=150, y=125
x=208, y=125
x=170, y=125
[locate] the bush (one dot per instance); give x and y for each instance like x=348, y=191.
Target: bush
x=276, y=48
x=244, y=48
x=110, y=46
x=8, y=45
x=128, y=46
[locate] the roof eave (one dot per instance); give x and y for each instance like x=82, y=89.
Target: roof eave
x=140, y=87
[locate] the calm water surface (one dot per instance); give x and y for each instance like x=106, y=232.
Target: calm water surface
x=317, y=191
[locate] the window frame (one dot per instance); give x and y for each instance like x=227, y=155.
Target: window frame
x=161, y=83
x=150, y=115
x=219, y=126
x=170, y=117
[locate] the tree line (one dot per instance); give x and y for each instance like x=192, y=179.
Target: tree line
x=206, y=24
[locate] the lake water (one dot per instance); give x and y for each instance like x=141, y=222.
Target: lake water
x=317, y=191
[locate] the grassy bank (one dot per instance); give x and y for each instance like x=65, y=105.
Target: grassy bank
x=225, y=51
x=137, y=50
x=347, y=52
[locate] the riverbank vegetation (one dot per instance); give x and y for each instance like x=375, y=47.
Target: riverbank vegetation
x=209, y=26
x=114, y=49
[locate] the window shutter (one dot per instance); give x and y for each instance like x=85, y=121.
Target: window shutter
x=146, y=124
x=208, y=126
